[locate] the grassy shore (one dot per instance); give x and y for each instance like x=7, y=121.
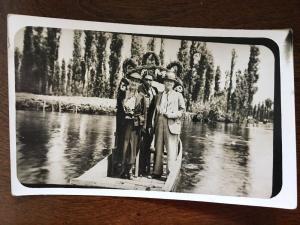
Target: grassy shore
x=75, y=104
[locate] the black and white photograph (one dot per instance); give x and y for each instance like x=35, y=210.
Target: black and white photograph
x=96, y=109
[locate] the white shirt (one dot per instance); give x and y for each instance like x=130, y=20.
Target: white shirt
x=164, y=103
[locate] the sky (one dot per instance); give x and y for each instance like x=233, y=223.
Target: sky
x=221, y=53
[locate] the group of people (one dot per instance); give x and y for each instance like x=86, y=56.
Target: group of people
x=146, y=116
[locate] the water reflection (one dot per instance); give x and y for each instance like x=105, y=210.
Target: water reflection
x=218, y=159
x=31, y=148
x=224, y=159
x=52, y=148
x=55, y=145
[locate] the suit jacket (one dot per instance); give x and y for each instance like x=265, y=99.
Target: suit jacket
x=150, y=105
x=140, y=111
x=176, y=107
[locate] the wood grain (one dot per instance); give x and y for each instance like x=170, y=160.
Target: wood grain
x=255, y=14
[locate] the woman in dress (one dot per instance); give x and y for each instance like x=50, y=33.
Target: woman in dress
x=120, y=121
x=134, y=105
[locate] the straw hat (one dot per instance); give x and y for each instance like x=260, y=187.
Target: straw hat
x=170, y=75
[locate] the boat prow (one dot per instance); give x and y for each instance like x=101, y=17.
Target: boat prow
x=98, y=176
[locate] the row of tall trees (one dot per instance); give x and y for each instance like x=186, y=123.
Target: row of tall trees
x=35, y=67
x=89, y=72
x=202, y=83
x=95, y=68
x=263, y=111
x=84, y=74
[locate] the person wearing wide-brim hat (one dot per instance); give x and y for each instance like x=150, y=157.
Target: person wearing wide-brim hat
x=149, y=92
x=120, y=119
x=134, y=76
x=134, y=106
x=169, y=108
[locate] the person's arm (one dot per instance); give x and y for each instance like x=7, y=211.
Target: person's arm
x=145, y=113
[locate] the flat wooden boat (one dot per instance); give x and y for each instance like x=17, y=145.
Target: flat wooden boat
x=98, y=176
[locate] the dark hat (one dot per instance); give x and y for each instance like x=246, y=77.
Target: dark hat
x=134, y=75
x=125, y=81
x=128, y=65
x=175, y=66
x=170, y=75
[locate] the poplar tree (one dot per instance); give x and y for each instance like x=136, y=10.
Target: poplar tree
x=56, y=79
x=137, y=49
x=27, y=60
x=63, y=79
x=199, y=57
x=268, y=104
x=233, y=102
x=233, y=61
x=99, y=89
x=241, y=93
x=217, y=81
x=89, y=62
x=258, y=112
x=76, y=62
x=252, y=73
x=262, y=112
x=39, y=69
x=191, y=75
x=209, y=77
x=194, y=50
x=197, y=93
x=151, y=45
x=18, y=59
x=254, y=112
x=52, y=46
x=183, y=54
x=184, y=57
x=114, y=62
x=70, y=82
x=162, y=52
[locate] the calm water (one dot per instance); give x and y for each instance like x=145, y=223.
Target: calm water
x=222, y=159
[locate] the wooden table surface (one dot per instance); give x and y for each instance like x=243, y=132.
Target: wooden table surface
x=39, y=210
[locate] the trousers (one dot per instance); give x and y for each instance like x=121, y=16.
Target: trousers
x=145, y=153
x=164, y=140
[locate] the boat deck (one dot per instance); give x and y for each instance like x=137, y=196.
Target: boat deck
x=138, y=183
x=97, y=176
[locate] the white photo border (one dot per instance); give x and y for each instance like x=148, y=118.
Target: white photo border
x=286, y=198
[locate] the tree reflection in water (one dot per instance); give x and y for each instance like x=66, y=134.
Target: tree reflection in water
x=218, y=159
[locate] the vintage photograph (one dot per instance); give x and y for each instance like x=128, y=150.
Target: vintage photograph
x=155, y=113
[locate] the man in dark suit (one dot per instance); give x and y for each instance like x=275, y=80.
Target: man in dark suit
x=167, y=122
x=149, y=92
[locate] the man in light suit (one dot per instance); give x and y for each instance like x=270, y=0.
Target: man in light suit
x=167, y=122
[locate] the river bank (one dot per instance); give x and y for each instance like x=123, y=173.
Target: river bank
x=103, y=106
x=73, y=104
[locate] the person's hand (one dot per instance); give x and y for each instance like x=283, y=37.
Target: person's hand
x=129, y=111
x=150, y=131
x=143, y=131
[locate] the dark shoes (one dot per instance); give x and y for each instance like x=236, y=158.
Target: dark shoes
x=154, y=176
